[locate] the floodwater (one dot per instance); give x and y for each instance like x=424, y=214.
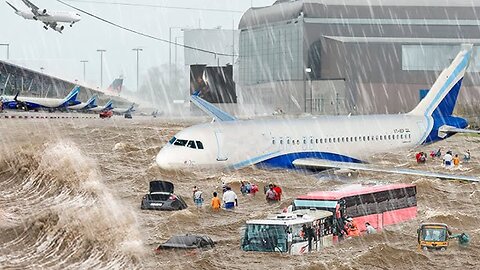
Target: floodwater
x=70, y=192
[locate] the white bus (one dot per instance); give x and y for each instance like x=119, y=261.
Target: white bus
x=297, y=232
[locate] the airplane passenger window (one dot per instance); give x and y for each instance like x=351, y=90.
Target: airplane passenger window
x=364, y=138
x=389, y=137
x=288, y=141
x=321, y=140
x=191, y=144
x=401, y=136
x=298, y=142
x=316, y=141
x=334, y=140
x=311, y=141
x=273, y=140
x=199, y=145
x=281, y=141
x=329, y=140
x=304, y=141
x=180, y=142
x=172, y=140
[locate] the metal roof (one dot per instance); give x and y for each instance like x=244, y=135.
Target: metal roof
x=288, y=10
x=402, y=40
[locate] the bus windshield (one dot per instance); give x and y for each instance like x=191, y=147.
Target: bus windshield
x=265, y=238
x=434, y=234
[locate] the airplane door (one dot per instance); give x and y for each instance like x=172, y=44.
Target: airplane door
x=221, y=153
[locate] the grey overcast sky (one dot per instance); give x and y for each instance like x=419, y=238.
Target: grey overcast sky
x=60, y=54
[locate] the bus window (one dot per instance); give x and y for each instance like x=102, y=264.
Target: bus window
x=199, y=145
x=265, y=238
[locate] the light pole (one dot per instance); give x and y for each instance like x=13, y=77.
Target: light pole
x=8, y=49
x=138, y=50
x=101, y=66
x=42, y=78
x=176, y=38
x=170, y=50
x=84, y=73
x=309, y=77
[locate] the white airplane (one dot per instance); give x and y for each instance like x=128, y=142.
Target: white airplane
x=107, y=107
x=32, y=103
x=91, y=103
x=50, y=19
x=323, y=142
x=122, y=111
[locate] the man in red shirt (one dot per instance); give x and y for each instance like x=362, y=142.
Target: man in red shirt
x=278, y=192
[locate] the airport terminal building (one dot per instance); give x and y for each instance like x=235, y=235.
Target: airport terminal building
x=352, y=56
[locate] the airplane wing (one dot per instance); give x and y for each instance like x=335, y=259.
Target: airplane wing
x=327, y=164
x=454, y=130
x=34, y=8
x=210, y=109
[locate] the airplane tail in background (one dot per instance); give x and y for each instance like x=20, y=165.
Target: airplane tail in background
x=440, y=100
x=72, y=96
x=108, y=106
x=92, y=102
x=116, y=86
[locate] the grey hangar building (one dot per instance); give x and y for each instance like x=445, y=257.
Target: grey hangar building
x=357, y=56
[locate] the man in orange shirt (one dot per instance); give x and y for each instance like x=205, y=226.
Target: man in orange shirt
x=216, y=203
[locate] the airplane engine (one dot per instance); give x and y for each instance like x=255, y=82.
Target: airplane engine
x=43, y=11
x=59, y=28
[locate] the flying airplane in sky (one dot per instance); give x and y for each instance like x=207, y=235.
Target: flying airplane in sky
x=49, y=18
x=32, y=103
x=322, y=142
x=91, y=103
x=107, y=107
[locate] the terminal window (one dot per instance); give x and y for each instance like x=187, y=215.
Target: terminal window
x=433, y=57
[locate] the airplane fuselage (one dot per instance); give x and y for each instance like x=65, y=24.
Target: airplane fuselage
x=277, y=143
x=54, y=16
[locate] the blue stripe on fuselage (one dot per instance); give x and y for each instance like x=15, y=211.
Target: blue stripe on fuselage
x=286, y=160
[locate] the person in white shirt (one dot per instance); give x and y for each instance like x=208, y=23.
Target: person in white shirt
x=370, y=228
x=230, y=198
x=447, y=159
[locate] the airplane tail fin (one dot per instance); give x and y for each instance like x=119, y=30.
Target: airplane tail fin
x=108, y=106
x=72, y=96
x=440, y=100
x=92, y=102
x=14, y=8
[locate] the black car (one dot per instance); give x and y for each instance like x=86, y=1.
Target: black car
x=161, y=197
x=187, y=242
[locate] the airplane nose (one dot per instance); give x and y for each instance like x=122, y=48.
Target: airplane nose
x=163, y=159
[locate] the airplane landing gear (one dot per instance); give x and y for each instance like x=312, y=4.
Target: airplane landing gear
x=45, y=27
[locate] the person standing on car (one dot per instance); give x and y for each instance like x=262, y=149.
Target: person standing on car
x=230, y=198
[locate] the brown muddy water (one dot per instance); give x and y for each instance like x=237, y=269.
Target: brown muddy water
x=70, y=192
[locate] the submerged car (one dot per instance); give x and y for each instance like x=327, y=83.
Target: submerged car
x=188, y=242
x=161, y=197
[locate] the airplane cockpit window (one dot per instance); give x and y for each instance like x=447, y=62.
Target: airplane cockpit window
x=191, y=144
x=199, y=145
x=180, y=142
x=172, y=140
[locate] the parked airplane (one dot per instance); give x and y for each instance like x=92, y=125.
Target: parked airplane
x=122, y=111
x=32, y=103
x=91, y=103
x=107, y=107
x=322, y=142
x=49, y=19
